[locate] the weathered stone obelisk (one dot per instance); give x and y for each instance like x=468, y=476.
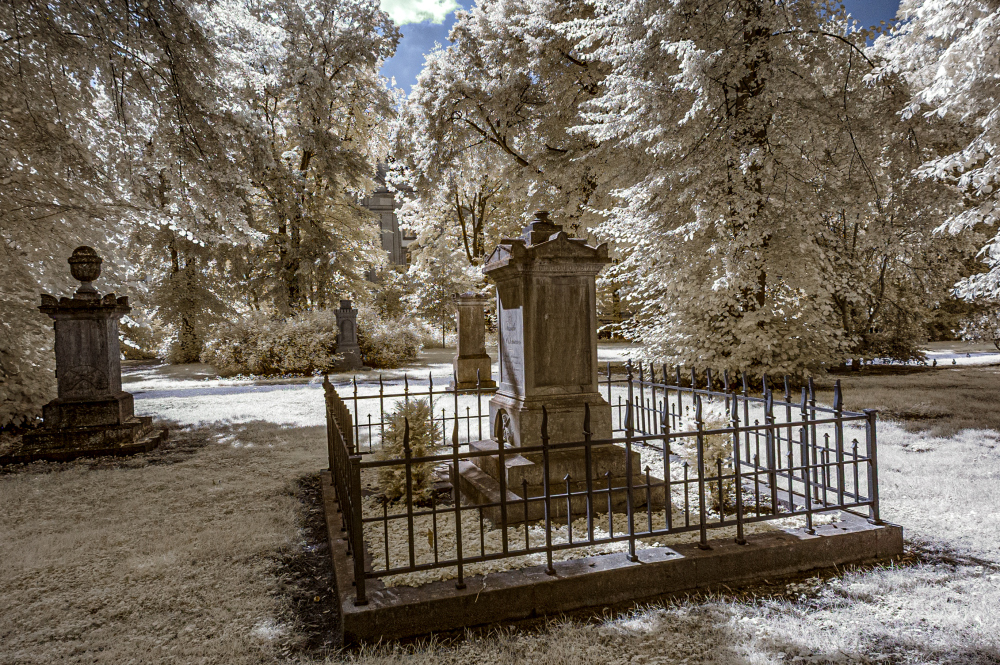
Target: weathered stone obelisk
x=347, y=337
x=92, y=415
x=472, y=364
x=547, y=315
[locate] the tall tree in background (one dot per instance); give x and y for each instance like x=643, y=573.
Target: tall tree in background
x=471, y=194
x=949, y=52
x=752, y=176
x=323, y=114
x=511, y=81
x=117, y=114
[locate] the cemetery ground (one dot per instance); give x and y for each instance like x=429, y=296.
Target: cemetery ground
x=211, y=548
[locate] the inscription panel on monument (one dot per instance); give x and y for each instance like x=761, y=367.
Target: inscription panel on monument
x=511, y=336
x=563, y=350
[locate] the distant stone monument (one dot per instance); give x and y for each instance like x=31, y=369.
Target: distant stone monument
x=347, y=337
x=92, y=415
x=472, y=364
x=547, y=316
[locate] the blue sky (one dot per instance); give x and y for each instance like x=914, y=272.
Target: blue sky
x=424, y=22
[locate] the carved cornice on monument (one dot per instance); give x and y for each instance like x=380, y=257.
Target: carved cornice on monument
x=545, y=243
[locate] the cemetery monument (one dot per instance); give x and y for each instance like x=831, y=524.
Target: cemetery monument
x=347, y=337
x=91, y=415
x=547, y=321
x=472, y=364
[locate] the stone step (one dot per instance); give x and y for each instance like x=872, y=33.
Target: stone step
x=479, y=488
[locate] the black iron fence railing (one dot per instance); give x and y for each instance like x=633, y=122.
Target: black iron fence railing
x=696, y=459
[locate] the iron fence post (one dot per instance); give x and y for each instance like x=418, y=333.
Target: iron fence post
x=357, y=532
x=873, y=511
x=588, y=464
x=838, y=440
x=629, y=510
x=549, y=569
x=457, y=497
x=772, y=474
x=700, y=442
x=734, y=421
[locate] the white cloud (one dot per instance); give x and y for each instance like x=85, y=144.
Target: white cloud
x=416, y=11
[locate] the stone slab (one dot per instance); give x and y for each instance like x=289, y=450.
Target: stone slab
x=60, y=445
x=398, y=612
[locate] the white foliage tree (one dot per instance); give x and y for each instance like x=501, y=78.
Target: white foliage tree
x=949, y=52
x=754, y=179
x=115, y=114
x=511, y=81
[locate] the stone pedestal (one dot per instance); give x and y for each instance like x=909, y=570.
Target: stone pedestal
x=547, y=314
x=347, y=337
x=472, y=364
x=92, y=415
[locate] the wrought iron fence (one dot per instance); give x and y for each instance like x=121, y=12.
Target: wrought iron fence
x=710, y=457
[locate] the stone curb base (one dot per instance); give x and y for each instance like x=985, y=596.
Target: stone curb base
x=143, y=443
x=596, y=581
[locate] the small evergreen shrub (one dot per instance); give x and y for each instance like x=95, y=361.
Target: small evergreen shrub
x=392, y=479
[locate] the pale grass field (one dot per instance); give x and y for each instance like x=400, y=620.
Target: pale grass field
x=179, y=563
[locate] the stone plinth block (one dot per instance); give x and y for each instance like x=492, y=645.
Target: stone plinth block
x=480, y=479
x=472, y=364
x=347, y=337
x=92, y=415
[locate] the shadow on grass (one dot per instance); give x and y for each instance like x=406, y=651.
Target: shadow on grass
x=306, y=579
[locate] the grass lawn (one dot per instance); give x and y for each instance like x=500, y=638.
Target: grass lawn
x=209, y=551
x=941, y=400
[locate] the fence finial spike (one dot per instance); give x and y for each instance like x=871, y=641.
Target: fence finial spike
x=677, y=370
x=665, y=373
x=430, y=380
x=697, y=409
x=478, y=379
x=746, y=386
x=763, y=383
x=693, y=383
x=838, y=397
x=812, y=389
x=586, y=419
x=708, y=379
x=628, y=368
x=640, y=372
x=725, y=380
x=788, y=391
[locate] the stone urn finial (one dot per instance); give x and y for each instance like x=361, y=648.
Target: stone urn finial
x=85, y=265
x=540, y=228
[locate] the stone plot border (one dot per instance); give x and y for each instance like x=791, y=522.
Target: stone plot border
x=608, y=579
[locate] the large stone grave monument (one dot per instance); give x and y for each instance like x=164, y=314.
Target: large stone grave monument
x=347, y=337
x=547, y=316
x=91, y=415
x=471, y=363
